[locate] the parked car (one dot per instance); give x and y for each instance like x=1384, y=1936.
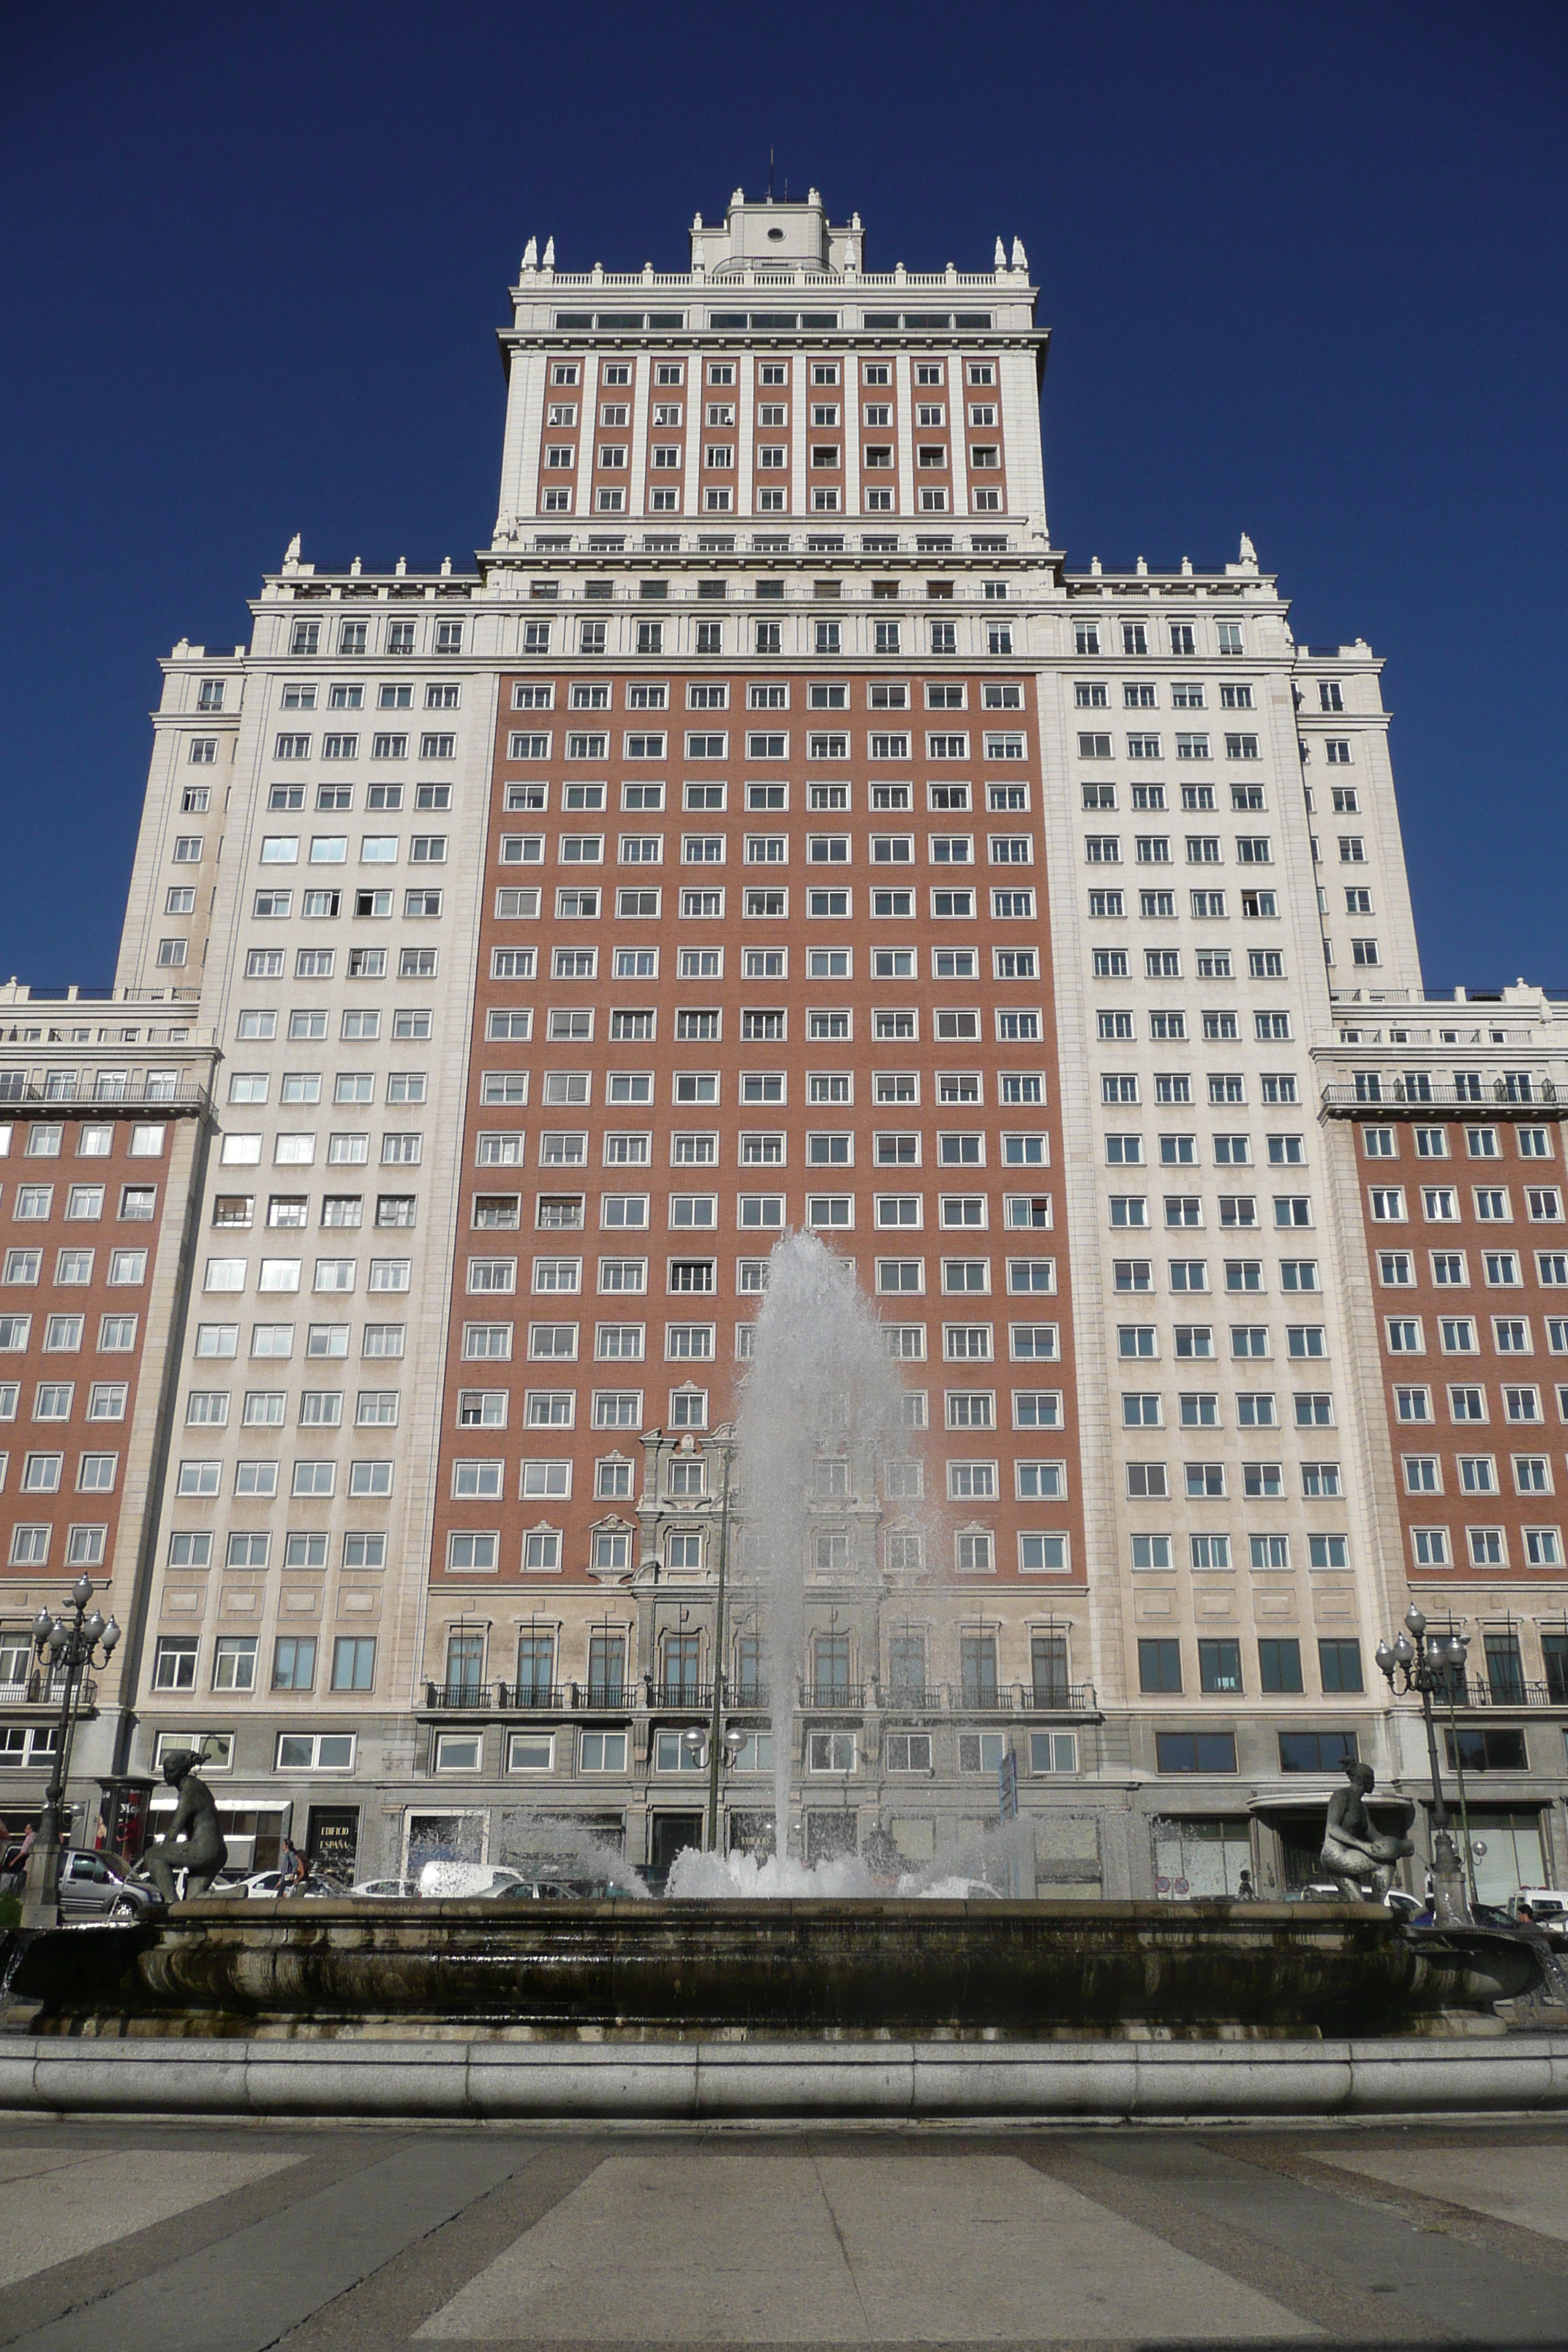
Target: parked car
x=448, y=1880
x=1549, y=1910
x=534, y=1890
x=547, y=1887
x=385, y=1890
x=270, y=1882
x=1403, y=1905
x=93, y=1885
x=1549, y=1905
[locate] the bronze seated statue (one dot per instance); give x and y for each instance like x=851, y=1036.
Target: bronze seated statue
x=1356, y=1856
x=194, y=1841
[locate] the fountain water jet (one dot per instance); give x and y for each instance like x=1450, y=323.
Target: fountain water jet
x=819, y=1373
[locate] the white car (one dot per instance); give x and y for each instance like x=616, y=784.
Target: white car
x=1548, y=1903
x=266, y=1883
x=385, y=1890
x=448, y=1880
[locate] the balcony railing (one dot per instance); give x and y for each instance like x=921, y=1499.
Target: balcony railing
x=38, y=1690
x=186, y=1094
x=464, y=1697
x=1000, y=1698
x=829, y=1698
x=1495, y=1100
x=832, y=1697
x=18, y=992
x=681, y=1695
x=528, y=1698
x=1479, y=1692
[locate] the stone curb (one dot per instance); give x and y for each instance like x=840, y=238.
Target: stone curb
x=495, y=2081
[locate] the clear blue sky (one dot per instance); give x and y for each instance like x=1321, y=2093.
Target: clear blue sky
x=1305, y=270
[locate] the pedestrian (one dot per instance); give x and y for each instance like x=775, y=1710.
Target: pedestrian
x=1524, y=1916
x=292, y=1875
x=1245, y=1890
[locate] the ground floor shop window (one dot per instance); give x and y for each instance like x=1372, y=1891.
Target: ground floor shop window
x=445, y=1837
x=1201, y=1856
x=1507, y=1849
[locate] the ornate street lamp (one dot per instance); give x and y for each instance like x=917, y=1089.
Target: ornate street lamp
x=696, y=1742
x=69, y=1647
x=1419, y=1661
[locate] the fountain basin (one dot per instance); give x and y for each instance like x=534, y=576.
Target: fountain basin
x=1027, y=1971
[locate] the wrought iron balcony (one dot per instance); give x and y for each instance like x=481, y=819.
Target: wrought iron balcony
x=1495, y=1100
x=690, y=1697
x=185, y=1095
x=466, y=1698
x=832, y=1698
x=523, y=1698
x=41, y=1690
x=531, y=1697
x=1477, y=1691
x=996, y=1698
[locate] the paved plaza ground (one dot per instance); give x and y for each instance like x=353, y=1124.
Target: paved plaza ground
x=231, y=2238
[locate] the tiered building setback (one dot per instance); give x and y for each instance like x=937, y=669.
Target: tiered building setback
x=774, y=833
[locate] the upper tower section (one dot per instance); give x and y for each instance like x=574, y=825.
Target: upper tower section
x=775, y=389
x=767, y=236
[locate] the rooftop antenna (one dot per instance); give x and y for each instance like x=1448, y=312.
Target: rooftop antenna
x=770, y=175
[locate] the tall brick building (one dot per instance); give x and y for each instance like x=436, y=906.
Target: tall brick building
x=774, y=832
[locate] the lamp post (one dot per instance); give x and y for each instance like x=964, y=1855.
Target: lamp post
x=1418, y=1661
x=1455, y=1674
x=69, y=1647
x=702, y=1747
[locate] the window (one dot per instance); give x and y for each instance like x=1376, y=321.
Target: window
x=318, y=1751
x=1160, y=1665
x=294, y=1660
x=353, y=1661
x=175, y=1662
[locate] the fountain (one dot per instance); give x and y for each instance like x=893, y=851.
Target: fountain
x=777, y=1960
x=819, y=1372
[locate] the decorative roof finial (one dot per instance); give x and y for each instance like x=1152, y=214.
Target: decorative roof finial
x=1249, y=552
x=530, y=254
x=549, y=261
x=1020, y=258
x=1001, y=255
x=291, y=552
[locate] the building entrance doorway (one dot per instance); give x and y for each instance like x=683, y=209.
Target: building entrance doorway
x=672, y=1833
x=829, y=1835
x=332, y=1842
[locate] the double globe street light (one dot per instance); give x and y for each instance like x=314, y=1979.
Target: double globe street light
x=67, y=1646
x=1418, y=1660
x=702, y=1748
